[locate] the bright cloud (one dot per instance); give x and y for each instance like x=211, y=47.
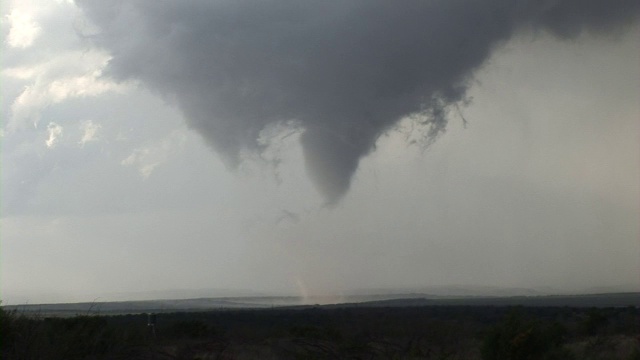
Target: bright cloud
x=89, y=132
x=55, y=132
x=75, y=74
x=147, y=159
x=24, y=30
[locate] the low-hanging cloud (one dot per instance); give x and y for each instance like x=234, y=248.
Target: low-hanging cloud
x=342, y=71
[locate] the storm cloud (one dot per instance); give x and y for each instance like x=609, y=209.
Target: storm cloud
x=344, y=72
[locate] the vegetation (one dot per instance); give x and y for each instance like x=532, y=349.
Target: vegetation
x=429, y=332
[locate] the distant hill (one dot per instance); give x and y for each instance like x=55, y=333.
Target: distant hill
x=398, y=300
x=590, y=300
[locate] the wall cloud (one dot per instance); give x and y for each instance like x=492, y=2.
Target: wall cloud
x=343, y=72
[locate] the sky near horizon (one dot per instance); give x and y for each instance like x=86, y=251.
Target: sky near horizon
x=305, y=148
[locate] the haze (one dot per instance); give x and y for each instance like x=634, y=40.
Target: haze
x=303, y=148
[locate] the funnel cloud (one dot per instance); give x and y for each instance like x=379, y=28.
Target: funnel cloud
x=344, y=72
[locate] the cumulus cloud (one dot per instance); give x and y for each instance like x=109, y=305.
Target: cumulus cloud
x=147, y=158
x=23, y=29
x=54, y=132
x=74, y=74
x=89, y=132
x=344, y=72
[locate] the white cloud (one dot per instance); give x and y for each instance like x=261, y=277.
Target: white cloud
x=79, y=86
x=74, y=74
x=55, y=132
x=89, y=132
x=24, y=30
x=148, y=158
x=22, y=73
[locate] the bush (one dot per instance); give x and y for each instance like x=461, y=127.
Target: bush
x=517, y=338
x=192, y=329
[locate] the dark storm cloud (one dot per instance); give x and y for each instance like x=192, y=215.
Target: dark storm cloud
x=343, y=71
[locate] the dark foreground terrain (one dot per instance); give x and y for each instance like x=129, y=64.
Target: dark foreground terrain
x=317, y=332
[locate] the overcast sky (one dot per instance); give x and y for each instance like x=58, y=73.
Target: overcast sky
x=307, y=148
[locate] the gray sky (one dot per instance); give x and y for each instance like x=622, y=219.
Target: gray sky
x=307, y=149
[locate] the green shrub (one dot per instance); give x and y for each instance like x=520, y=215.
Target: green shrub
x=518, y=338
